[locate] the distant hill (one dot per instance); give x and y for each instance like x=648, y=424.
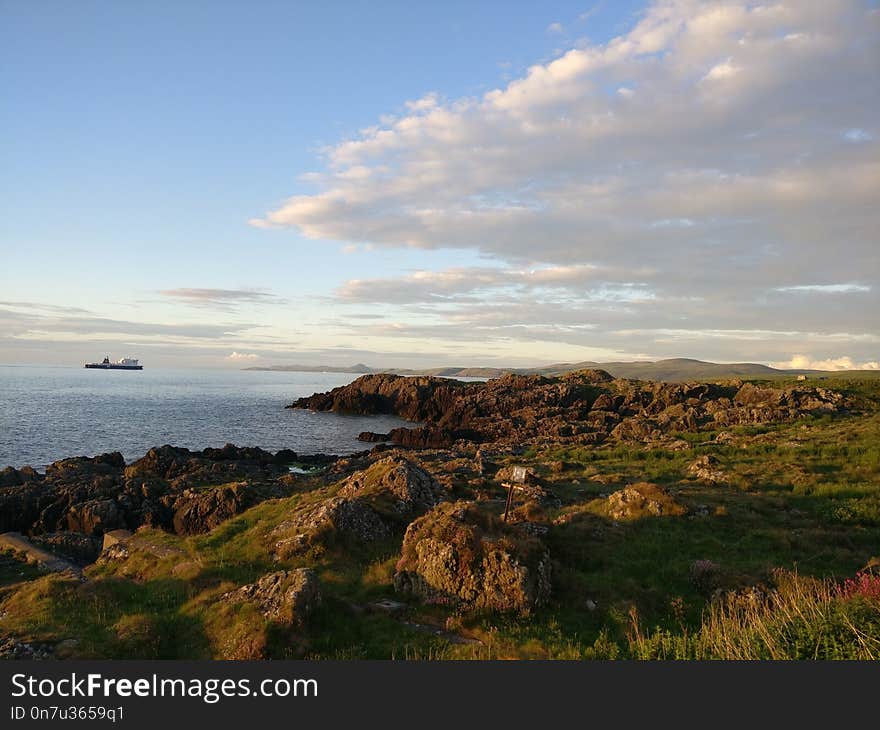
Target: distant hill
x=675, y=369
x=359, y=368
x=672, y=370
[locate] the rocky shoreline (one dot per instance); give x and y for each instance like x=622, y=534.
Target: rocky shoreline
x=188, y=492
x=434, y=490
x=584, y=407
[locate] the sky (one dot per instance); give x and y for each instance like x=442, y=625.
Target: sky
x=230, y=184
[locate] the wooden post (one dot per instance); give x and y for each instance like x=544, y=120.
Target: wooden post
x=510, y=488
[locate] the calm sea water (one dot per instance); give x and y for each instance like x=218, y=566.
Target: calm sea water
x=50, y=413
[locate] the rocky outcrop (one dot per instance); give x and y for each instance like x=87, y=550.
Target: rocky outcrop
x=393, y=485
x=369, y=505
x=584, y=407
x=428, y=437
x=327, y=521
x=642, y=500
x=180, y=468
x=197, y=511
x=285, y=597
x=10, y=477
x=167, y=488
x=459, y=554
x=95, y=516
x=422, y=398
x=707, y=468
x=753, y=404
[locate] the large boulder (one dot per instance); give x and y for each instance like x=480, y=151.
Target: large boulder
x=326, y=521
x=10, y=477
x=458, y=553
x=642, y=500
x=200, y=511
x=370, y=505
x=285, y=597
x=84, y=466
x=393, y=485
x=707, y=468
x=95, y=517
x=636, y=428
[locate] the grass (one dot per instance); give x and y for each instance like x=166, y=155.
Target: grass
x=800, y=619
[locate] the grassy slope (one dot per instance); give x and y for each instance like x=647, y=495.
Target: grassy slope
x=803, y=497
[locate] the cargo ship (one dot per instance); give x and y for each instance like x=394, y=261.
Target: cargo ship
x=123, y=363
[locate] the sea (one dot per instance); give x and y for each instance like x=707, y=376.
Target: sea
x=51, y=413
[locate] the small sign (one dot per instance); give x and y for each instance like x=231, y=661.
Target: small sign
x=520, y=474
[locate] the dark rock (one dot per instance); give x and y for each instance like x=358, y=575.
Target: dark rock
x=579, y=408
x=594, y=376
x=425, y=437
x=198, y=511
x=286, y=456
x=95, y=517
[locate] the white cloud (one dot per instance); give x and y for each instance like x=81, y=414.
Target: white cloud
x=826, y=288
x=555, y=28
x=237, y=356
x=708, y=145
x=804, y=362
x=426, y=103
x=721, y=71
x=585, y=281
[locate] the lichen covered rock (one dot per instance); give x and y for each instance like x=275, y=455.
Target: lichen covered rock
x=393, y=484
x=707, y=468
x=286, y=597
x=642, y=500
x=458, y=553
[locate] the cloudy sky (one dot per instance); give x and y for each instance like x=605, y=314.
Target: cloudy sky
x=398, y=183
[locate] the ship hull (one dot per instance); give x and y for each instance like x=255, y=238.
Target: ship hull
x=111, y=366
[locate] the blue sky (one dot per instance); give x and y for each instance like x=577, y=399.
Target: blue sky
x=151, y=150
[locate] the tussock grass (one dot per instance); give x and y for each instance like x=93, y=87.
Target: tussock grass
x=803, y=618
